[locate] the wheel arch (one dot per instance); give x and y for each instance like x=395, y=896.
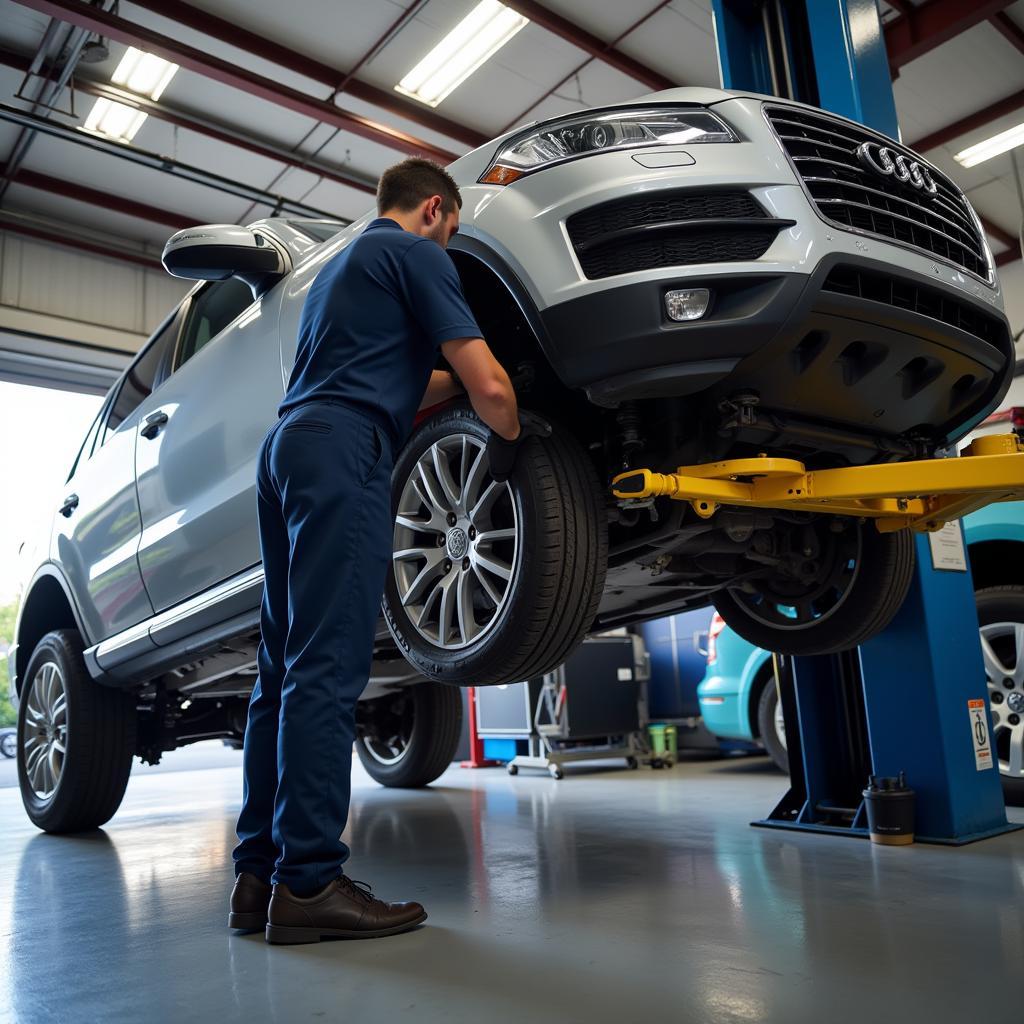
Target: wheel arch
x=760, y=676
x=996, y=563
x=485, y=274
x=47, y=605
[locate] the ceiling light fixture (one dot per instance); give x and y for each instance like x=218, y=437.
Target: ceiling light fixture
x=484, y=31
x=982, y=151
x=115, y=120
x=144, y=73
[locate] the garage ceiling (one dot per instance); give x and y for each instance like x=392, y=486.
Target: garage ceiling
x=254, y=103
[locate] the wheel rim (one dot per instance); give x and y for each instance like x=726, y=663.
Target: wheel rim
x=791, y=606
x=1002, y=647
x=779, y=720
x=44, y=741
x=386, y=735
x=456, y=544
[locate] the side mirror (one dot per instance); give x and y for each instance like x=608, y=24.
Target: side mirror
x=215, y=252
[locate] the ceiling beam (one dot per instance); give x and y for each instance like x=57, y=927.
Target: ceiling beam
x=260, y=46
x=980, y=118
x=932, y=24
x=208, y=127
x=1008, y=28
x=160, y=162
x=103, y=200
x=132, y=34
x=19, y=227
x=589, y=43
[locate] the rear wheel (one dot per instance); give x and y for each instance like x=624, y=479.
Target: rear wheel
x=492, y=583
x=1001, y=620
x=844, y=582
x=76, y=739
x=771, y=726
x=408, y=738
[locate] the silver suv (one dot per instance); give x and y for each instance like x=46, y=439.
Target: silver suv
x=697, y=276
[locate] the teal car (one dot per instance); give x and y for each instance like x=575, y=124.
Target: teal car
x=737, y=696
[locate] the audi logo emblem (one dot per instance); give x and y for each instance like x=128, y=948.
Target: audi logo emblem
x=885, y=161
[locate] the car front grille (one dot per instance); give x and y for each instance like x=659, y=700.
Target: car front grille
x=904, y=294
x=666, y=229
x=849, y=194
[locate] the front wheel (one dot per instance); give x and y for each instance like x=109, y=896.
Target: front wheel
x=1001, y=620
x=76, y=739
x=408, y=738
x=492, y=582
x=843, y=582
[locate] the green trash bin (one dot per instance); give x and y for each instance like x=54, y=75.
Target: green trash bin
x=657, y=734
x=671, y=744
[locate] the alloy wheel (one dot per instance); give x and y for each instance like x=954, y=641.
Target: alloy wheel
x=780, y=722
x=1002, y=647
x=456, y=543
x=44, y=741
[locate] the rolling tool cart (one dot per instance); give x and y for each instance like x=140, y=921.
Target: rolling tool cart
x=587, y=709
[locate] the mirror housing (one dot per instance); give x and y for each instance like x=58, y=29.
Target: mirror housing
x=215, y=252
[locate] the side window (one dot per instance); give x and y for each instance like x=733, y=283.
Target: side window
x=141, y=377
x=210, y=312
x=90, y=441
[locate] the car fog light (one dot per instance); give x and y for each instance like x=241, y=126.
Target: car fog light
x=687, y=303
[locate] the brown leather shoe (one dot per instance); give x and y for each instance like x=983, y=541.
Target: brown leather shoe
x=343, y=909
x=250, y=899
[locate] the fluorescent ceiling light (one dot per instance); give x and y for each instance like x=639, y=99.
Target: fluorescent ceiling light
x=484, y=31
x=115, y=120
x=144, y=73
x=982, y=151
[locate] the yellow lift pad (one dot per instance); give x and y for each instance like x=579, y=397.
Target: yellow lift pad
x=921, y=495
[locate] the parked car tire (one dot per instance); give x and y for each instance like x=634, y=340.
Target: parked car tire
x=866, y=581
x=770, y=725
x=1001, y=620
x=9, y=743
x=527, y=558
x=408, y=738
x=76, y=739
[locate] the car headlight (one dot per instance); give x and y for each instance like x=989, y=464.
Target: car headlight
x=572, y=137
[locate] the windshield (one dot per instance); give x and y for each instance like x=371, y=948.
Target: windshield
x=317, y=230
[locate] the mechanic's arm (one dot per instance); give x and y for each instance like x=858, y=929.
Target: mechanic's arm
x=487, y=384
x=441, y=387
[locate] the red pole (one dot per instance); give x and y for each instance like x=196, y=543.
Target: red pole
x=476, y=745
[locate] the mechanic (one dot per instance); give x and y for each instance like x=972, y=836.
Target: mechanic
x=376, y=314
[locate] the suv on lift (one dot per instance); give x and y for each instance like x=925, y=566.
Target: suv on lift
x=696, y=276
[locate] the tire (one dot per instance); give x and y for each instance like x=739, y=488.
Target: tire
x=9, y=744
x=767, y=727
x=1000, y=610
x=97, y=728
x=874, y=571
x=555, y=550
x=407, y=739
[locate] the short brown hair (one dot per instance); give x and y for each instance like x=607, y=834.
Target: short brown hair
x=404, y=186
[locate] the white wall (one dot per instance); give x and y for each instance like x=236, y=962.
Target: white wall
x=1012, y=279
x=39, y=277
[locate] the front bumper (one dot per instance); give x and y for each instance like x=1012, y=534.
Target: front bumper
x=825, y=348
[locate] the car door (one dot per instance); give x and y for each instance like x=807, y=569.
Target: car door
x=97, y=530
x=196, y=461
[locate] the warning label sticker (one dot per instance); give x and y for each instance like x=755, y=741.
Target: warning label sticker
x=947, y=547
x=979, y=733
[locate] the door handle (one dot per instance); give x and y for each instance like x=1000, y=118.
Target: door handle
x=154, y=422
x=69, y=506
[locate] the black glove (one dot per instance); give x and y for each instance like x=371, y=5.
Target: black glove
x=501, y=454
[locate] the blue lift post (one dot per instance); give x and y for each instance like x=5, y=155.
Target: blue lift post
x=906, y=700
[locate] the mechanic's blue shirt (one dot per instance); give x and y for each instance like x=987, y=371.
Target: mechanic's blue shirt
x=372, y=323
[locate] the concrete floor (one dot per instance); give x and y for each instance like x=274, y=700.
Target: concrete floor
x=612, y=896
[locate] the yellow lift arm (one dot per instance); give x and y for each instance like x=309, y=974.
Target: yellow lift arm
x=922, y=495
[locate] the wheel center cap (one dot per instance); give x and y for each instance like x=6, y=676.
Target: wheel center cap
x=1015, y=702
x=458, y=542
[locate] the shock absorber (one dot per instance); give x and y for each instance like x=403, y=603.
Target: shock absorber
x=630, y=439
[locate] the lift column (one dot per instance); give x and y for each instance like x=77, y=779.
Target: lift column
x=909, y=699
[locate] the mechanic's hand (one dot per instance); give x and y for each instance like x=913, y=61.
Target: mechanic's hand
x=501, y=454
